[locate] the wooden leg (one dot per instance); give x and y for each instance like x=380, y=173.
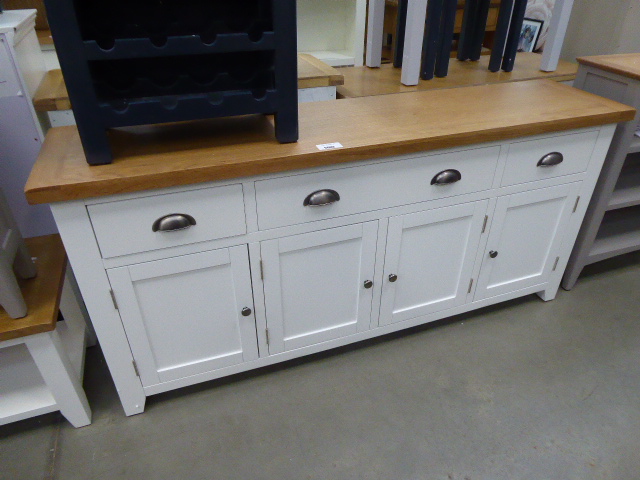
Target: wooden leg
x=375, y=28
x=466, y=34
x=58, y=373
x=475, y=48
x=555, y=37
x=411, y=59
x=444, y=49
x=10, y=294
x=500, y=39
x=431, y=38
x=515, y=28
x=401, y=28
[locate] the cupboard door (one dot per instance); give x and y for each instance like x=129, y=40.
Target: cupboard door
x=184, y=315
x=429, y=260
x=314, y=285
x=525, y=238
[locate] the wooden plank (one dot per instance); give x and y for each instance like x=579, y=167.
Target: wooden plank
x=555, y=34
x=626, y=64
x=52, y=93
x=42, y=293
x=157, y=156
x=362, y=81
x=315, y=73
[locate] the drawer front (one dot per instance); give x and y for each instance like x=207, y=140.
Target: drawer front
x=127, y=226
x=372, y=187
x=523, y=157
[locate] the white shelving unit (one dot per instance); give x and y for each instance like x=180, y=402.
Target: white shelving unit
x=333, y=30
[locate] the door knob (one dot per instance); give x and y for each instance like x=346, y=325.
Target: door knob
x=368, y=284
x=393, y=277
x=246, y=311
x=493, y=254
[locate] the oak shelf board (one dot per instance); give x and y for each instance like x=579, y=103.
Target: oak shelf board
x=626, y=64
x=52, y=93
x=159, y=156
x=42, y=293
x=365, y=81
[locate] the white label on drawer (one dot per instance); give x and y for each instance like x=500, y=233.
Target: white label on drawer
x=329, y=146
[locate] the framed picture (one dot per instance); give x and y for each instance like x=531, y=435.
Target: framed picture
x=529, y=35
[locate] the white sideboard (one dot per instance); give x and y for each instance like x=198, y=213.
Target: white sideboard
x=251, y=276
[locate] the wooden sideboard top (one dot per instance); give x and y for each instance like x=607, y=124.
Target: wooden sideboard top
x=159, y=156
x=626, y=64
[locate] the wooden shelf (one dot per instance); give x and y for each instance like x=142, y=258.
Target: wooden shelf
x=627, y=191
x=619, y=234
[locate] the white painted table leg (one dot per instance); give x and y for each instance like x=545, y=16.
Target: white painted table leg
x=555, y=37
x=375, y=28
x=59, y=375
x=412, y=57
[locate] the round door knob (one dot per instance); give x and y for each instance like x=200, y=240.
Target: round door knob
x=493, y=254
x=368, y=284
x=246, y=311
x=393, y=277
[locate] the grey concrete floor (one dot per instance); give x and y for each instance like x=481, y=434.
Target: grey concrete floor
x=523, y=390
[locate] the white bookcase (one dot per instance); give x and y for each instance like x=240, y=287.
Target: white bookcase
x=333, y=30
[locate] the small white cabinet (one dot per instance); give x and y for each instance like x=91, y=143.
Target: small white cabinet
x=317, y=286
x=429, y=260
x=187, y=315
x=525, y=239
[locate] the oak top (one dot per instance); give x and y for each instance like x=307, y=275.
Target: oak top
x=42, y=293
x=626, y=64
x=159, y=156
x=365, y=81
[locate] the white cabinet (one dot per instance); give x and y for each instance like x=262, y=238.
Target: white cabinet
x=187, y=315
x=317, y=286
x=525, y=239
x=429, y=260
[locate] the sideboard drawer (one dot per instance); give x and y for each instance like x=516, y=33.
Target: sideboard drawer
x=525, y=160
x=137, y=225
x=281, y=201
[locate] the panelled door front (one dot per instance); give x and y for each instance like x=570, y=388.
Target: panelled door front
x=318, y=286
x=429, y=260
x=525, y=237
x=187, y=315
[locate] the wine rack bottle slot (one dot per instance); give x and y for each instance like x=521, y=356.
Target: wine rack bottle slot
x=132, y=62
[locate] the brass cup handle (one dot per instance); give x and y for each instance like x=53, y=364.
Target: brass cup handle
x=173, y=222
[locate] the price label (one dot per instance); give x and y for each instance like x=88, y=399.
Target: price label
x=329, y=146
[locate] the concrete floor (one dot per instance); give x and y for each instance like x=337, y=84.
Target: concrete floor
x=524, y=390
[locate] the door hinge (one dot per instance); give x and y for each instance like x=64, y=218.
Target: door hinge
x=135, y=368
x=261, y=270
x=113, y=299
x=555, y=265
x=470, y=286
x=484, y=225
x=267, y=333
x=575, y=207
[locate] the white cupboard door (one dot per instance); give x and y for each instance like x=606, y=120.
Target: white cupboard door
x=525, y=237
x=184, y=315
x=429, y=260
x=314, y=285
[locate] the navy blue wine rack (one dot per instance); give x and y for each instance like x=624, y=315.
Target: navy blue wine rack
x=136, y=62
